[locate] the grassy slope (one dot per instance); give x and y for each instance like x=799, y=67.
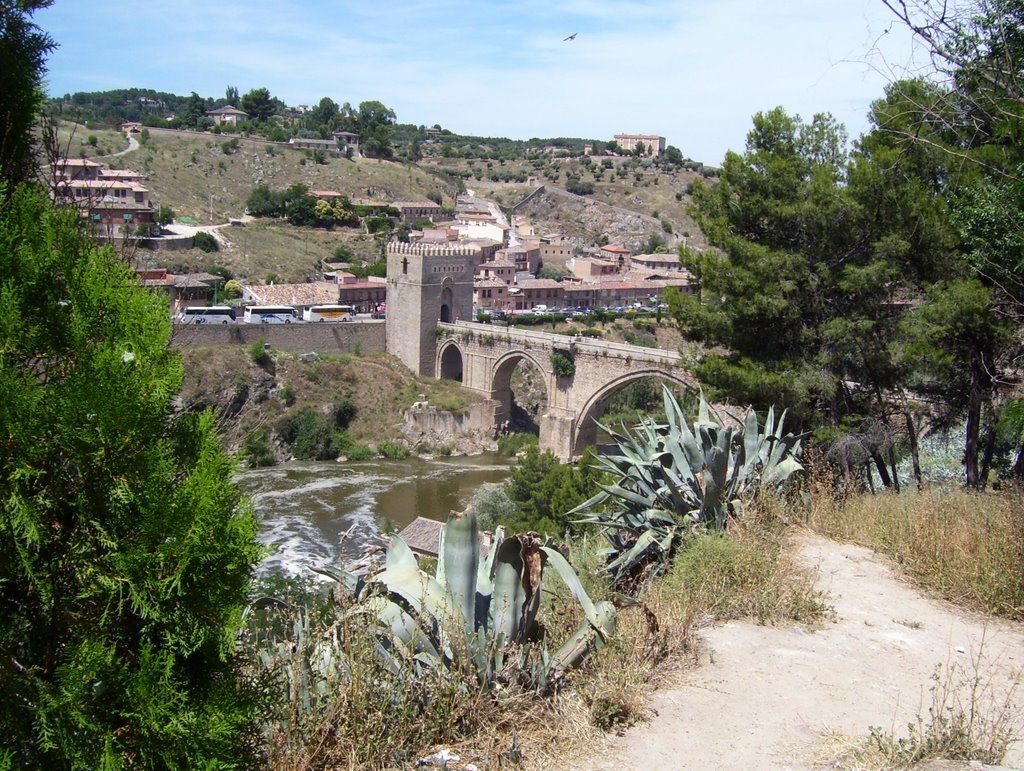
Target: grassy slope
x=184, y=171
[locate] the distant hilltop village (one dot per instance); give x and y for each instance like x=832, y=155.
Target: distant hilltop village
x=508, y=251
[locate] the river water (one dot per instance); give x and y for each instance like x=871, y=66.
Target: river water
x=304, y=506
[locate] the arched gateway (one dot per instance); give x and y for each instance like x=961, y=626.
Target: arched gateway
x=430, y=298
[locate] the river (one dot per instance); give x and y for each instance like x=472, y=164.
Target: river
x=304, y=507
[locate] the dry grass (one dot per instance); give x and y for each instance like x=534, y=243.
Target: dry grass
x=193, y=175
x=966, y=717
x=745, y=573
x=966, y=546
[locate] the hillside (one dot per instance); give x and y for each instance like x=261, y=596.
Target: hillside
x=208, y=178
x=623, y=187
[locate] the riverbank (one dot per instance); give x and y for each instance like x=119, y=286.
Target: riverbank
x=250, y=393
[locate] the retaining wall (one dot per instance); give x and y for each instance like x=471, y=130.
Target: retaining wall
x=326, y=337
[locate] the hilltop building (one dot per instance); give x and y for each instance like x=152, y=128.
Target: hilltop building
x=652, y=143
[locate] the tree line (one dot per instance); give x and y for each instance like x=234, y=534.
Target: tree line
x=876, y=290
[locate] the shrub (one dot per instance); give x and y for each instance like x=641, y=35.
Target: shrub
x=256, y=450
x=343, y=411
x=513, y=444
x=342, y=444
x=393, y=450
x=288, y=395
x=310, y=434
x=204, y=242
x=259, y=354
x=563, y=364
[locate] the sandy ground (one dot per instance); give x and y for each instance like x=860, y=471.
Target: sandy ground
x=770, y=698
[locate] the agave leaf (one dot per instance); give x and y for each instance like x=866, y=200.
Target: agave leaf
x=587, y=634
x=422, y=594
x=461, y=557
x=511, y=593
x=399, y=554
x=572, y=581
x=751, y=438
x=782, y=471
x=625, y=562
x=625, y=494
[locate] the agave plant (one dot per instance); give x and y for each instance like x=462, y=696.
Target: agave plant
x=673, y=476
x=478, y=611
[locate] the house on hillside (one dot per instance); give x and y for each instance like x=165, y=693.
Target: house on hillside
x=227, y=115
x=616, y=253
x=490, y=294
x=418, y=210
x=183, y=290
x=654, y=262
x=365, y=295
x=110, y=199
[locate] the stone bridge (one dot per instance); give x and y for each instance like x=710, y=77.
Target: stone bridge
x=482, y=357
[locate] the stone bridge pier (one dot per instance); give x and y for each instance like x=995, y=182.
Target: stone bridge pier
x=483, y=358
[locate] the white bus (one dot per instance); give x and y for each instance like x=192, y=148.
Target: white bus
x=328, y=313
x=269, y=314
x=207, y=314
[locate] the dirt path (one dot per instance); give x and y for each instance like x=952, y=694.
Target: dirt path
x=766, y=698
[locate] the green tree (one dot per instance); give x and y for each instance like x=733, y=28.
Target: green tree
x=415, y=151
x=323, y=117
x=23, y=50
x=376, y=129
x=259, y=104
x=544, y=490
x=194, y=112
x=672, y=157
x=165, y=215
x=231, y=95
x=125, y=549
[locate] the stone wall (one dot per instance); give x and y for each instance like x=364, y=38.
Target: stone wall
x=324, y=337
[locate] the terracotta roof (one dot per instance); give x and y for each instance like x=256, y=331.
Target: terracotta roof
x=84, y=162
x=196, y=279
x=615, y=249
x=313, y=293
x=416, y=205
x=423, y=536
x=664, y=259
x=488, y=283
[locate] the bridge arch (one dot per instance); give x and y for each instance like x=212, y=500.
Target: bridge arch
x=585, y=430
x=501, y=379
x=450, y=361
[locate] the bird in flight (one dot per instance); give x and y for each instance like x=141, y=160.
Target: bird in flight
x=571, y=37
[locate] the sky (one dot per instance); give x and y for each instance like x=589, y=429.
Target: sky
x=693, y=71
